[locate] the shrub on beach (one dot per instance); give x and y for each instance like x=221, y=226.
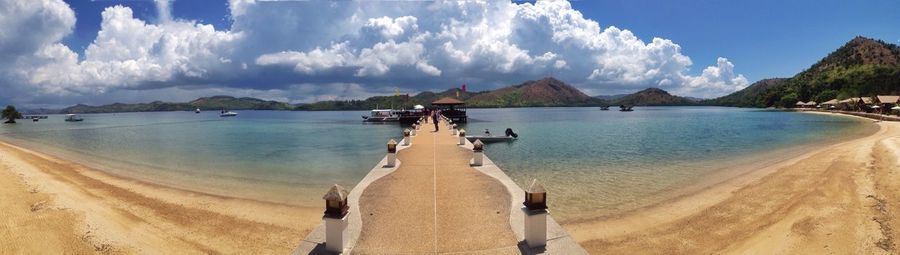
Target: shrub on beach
x=11, y=114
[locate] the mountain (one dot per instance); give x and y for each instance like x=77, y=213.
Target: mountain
x=862, y=67
x=544, y=92
x=204, y=103
x=652, y=97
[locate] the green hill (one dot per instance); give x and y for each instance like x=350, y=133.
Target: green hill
x=204, y=103
x=862, y=67
x=653, y=97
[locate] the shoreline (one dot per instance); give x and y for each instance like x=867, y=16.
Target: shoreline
x=109, y=212
x=120, y=215
x=685, y=222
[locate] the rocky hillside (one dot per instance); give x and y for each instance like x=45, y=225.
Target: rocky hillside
x=862, y=67
x=544, y=92
x=652, y=97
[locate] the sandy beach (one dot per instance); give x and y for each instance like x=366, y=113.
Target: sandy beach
x=839, y=199
x=52, y=206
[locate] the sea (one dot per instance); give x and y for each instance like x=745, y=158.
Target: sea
x=593, y=163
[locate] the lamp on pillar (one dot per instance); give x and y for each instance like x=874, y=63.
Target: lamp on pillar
x=478, y=153
x=535, y=210
x=462, y=136
x=336, y=210
x=406, y=139
x=391, y=153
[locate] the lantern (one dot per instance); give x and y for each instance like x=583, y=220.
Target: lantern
x=478, y=153
x=392, y=146
x=462, y=136
x=535, y=196
x=478, y=146
x=336, y=202
x=406, y=138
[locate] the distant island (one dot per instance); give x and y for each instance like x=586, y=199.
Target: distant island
x=862, y=67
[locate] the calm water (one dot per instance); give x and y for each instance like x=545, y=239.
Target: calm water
x=592, y=161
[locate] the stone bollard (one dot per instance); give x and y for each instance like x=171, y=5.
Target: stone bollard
x=535, y=210
x=392, y=153
x=406, y=137
x=453, y=130
x=462, y=136
x=412, y=132
x=477, y=153
x=336, y=212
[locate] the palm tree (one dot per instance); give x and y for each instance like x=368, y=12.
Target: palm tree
x=11, y=114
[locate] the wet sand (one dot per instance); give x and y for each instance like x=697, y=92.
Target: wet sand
x=52, y=205
x=840, y=199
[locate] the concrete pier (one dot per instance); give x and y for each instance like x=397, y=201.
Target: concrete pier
x=434, y=201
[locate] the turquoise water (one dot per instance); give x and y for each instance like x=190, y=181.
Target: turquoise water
x=600, y=162
x=277, y=156
x=591, y=161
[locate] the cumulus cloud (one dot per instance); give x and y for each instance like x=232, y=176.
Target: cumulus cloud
x=289, y=49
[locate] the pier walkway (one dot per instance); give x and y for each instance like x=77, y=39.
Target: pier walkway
x=433, y=202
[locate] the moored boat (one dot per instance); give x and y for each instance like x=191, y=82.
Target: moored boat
x=382, y=115
x=225, y=113
x=73, y=118
x=487, y=137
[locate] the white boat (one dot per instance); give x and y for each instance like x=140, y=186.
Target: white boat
x=225, y=113
x=197, y=110
x=73, y=118
x=382, y=115
x=487, y=137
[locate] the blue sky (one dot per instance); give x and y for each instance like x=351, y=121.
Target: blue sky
x=302, y=51
x=764, y=38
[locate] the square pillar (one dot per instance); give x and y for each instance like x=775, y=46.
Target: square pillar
x=535, y=227
x=336, y=235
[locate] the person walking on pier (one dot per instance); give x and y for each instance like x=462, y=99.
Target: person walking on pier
x=434, y=118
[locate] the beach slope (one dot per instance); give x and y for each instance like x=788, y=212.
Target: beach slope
x=841, y=199
x=54, y=206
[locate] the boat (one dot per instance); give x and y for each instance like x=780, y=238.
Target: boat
x=225, y=113
x=197, y=110
x=73, y=118
x=626, y=108
x=604, y=108
x=382, y=115
x=487, y=137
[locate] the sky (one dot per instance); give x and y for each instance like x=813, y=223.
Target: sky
x=55, y=53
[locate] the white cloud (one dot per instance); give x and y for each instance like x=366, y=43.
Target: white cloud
x=273, y=46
